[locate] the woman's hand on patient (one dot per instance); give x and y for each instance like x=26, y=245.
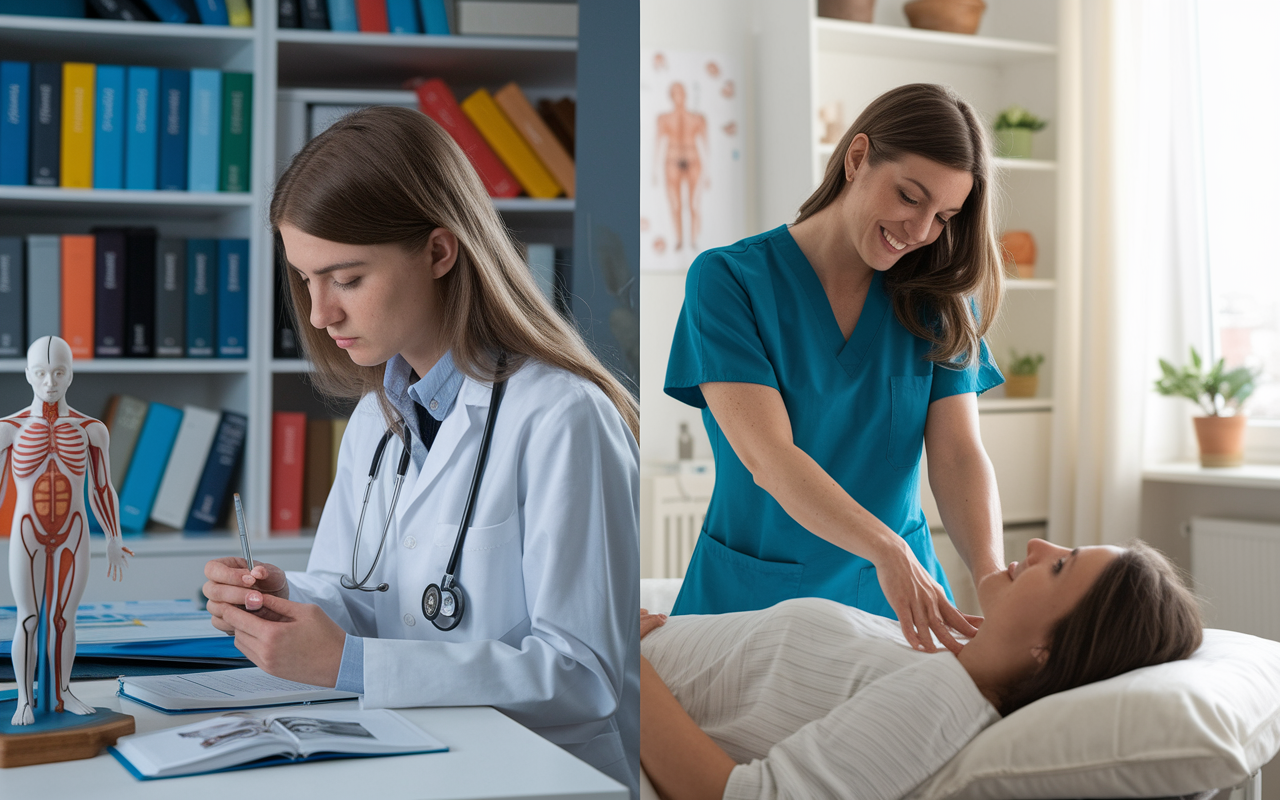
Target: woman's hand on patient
x=920, y=603
x=650, y=621
x=229, y=583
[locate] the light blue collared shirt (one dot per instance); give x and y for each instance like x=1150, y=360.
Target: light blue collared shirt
x=436, y=393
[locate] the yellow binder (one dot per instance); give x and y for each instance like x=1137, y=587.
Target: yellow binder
x=77, y=125
x=510, y=146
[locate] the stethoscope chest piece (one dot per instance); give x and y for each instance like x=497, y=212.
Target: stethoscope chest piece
x=443, y=607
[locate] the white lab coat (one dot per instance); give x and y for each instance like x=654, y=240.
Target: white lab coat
x=550, y=565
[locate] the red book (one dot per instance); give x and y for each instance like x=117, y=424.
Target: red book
x=437, y=101
x=371, y=16
x=288, y=453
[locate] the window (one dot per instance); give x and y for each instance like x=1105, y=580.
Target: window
x=1239, y=66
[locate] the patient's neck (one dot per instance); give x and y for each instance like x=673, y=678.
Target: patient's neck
x=996, y=665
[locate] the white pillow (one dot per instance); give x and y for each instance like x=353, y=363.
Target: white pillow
x=1209, y=721
x=658, y=595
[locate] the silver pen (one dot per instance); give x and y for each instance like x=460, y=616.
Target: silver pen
x=244, y=536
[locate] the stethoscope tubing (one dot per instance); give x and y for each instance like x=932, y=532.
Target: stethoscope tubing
x=401, y=468
x=486, y=437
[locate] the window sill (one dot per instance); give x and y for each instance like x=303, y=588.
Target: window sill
x=1248, y=476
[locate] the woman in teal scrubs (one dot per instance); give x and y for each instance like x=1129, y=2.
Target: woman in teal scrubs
x=826, y=353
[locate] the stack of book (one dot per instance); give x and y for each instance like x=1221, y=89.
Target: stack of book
x=200, y=12
x=102, y=126
x=513, y=147
x=304, y=460
x=125, y=293
x=168, y=465
x=433, y=17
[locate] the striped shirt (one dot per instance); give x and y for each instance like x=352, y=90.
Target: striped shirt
x=816, y=699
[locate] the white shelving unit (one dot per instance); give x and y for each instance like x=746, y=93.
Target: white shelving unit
x=292, y=59
x=1024, y=54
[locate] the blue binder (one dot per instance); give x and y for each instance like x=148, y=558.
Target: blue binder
x=233, y=298
x=108, y=135
x=175, y=88
x=15, y=122
x=202, y=276
x=205, y=127
x=402, y=16
x=150, y=457
x=142, y=136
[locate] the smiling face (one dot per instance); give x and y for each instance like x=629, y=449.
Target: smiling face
x=1022, y=603
x=375, y=301
x=49, y=368
x=895, y=207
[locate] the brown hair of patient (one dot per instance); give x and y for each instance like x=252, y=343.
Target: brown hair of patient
x=388, y=175
x=934, y=282
x=1137, y=613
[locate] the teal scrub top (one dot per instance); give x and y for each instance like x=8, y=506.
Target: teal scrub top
x=755, y=312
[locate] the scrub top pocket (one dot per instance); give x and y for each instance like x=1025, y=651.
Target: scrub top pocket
x=720, y=579
x=909, y=406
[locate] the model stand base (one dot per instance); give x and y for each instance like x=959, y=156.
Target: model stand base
x=58, y=737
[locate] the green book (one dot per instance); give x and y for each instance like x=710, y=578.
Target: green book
x=237, y=125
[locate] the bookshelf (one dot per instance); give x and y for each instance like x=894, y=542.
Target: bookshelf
x=350, y=66
x=1026, y=52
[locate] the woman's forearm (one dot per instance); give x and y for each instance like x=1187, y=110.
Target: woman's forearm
x=681, y=761
x=964, y=488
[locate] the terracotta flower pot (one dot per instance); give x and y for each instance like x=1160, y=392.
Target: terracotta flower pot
x=1221, y=440
x=952, y=16
x=1019, y=251
x=853, y=10
x=1021, y=385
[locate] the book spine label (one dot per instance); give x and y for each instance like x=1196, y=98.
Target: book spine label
x=77, y=294
x=342, y=16
x=77, y=126
x=371, y=16
x=315, y=15
x=237, y=122
x=213, y=12
x=142, y=135
x=509, y=145
x=211, y=493
x=288, y=14
x=175, y=90
x=109, y=125
x=438, y=102
x=239, y=15
x=140, y=292
x=233, y=298
x=46, y=123
x=15, y=123
x=205, y=124
x=44, y=287
x=109, y=277
x=435, y=20
x=288, y=445
x=150, y=457
x=202, y=261
x=171, y=298
x=550, y=152
x=13, y=318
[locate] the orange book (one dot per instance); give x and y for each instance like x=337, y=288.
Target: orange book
x=527, y=122
x=77, y=294
x=77, y=125
x=510, y=146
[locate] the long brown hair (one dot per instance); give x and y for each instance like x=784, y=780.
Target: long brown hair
x=931, y=288
x=387, y=175
x=1138, y=613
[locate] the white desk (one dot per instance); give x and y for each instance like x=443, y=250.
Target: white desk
x=489, y=757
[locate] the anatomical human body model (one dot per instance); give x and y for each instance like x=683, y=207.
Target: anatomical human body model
x=47, y=451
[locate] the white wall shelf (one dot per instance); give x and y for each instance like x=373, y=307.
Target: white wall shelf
x=176, y=366
x=1027, y=164
x=910, y=44
x=1029, y=284
x=1247, y=476
x=111, y=201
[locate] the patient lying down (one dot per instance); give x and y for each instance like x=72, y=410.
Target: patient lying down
x=811, y=698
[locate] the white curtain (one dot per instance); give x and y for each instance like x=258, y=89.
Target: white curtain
x=1143, y=290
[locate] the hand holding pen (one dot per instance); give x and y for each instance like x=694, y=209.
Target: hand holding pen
x=241, y=581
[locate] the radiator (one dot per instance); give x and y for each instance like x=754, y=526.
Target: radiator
x=1234, y=565
x=677, y=507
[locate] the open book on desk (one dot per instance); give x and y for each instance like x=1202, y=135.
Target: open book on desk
x=227, y=689
x=243, y=740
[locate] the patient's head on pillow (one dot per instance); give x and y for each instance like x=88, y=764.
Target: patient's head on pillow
x=1135, y=611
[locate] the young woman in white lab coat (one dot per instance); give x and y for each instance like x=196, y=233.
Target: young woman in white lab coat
x=417, y=300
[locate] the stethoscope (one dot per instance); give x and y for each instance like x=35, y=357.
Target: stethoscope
x=442, y=603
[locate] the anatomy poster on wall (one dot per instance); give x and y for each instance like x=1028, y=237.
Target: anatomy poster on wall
x=691, y=156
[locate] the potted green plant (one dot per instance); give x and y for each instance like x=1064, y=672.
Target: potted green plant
x=1219, y=393
x=1024, y=374
x=1013, y=128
